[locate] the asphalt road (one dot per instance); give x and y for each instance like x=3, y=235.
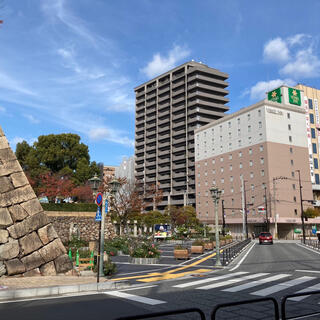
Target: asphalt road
x=267, y=270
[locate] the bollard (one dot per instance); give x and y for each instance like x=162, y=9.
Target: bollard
x=70, y=254
x=91, y=259
x=77, y=258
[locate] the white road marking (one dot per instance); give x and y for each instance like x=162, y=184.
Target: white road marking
x=195, y=283
x=312, y=250
x=281, y=286
x=311, y=271
x=238, y=265
x=256, y=283
x=133, y=297
x=316, y=287
x=231, y=281
x=137, y=288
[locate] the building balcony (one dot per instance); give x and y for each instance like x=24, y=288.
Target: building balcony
x=207, y=78
x=179, y=174
x=164, y=89
x=180, y=157
x=178, y=149
x=178, y=83
x=178, y=91
x=150, y=163
x=162, y=177
x=181, y=115
x=163, y=169
x=164, y=160
x=164, y=121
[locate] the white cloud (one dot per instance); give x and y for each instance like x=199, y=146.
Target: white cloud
x=258, y=91
x=108, y=134
x=304, y=65
x=276, y=50
x=160, y=64
x=297, y=39
x=31, y=118
x=13, y=142
x=7, y=82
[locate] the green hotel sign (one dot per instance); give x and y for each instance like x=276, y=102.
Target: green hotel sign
x=294, y=96
x=275, y=95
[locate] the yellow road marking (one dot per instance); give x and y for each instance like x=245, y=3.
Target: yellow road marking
x=174, y=275
x=137, y=277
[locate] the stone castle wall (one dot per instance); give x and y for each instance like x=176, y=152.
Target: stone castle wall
x=29, y=244
x=78, y=224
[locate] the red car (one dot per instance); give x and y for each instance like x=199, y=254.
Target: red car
x=265, y=237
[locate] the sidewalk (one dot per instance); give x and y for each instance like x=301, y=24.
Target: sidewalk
x=12, y=288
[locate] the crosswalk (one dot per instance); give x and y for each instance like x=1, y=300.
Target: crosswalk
x=256, y=284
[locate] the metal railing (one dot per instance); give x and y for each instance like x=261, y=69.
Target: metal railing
x=233, y=250
x=315, y=244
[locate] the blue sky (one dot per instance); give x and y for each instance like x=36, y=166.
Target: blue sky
x=71, y=65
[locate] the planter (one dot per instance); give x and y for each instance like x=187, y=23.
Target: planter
x=143, y=260
x=222, y=243
x=181, y=253
x=208, y=246
x=197, y=249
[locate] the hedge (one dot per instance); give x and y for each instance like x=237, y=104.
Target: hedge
x=72, y=207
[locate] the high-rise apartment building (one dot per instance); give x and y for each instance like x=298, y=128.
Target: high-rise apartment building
x=310, y=104
x=168, y=109
x=126, y=169
x=265, y=145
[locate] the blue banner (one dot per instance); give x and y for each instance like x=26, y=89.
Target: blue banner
x=107, y=206
x=98, y=214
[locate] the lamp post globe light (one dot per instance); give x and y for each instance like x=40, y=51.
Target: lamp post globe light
x=215, y=194
x=94, y=183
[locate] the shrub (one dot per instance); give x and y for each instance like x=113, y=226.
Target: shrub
x=121, y=243
x=143, y=248
x=109, y=268
x=110, y=249
x=198, y=243
x=77, y=243
x=180, y=247
x=73, y=207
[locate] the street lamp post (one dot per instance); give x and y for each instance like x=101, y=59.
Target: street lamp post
x=215, y=194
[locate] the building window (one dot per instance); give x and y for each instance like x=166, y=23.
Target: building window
x=252, y=199
x=259, y=113
x=220, y=138
x=250, y=151
x=249, y=140
x=231, y=178
x=291, y=162
x=229, y=125
x=214, y=171
x=221, y=159
x=213, y=182
x=315, y=163
x=240, y=154
x=198, y=165
x=260, y=124
x=221, y=170
x=296, y=212
x=293, y=186
x=314, y=148
x=206, y=183
x=248, y=116
x=310, y=103
x=289, y=126
x=232, y=202
x=313, y=133
x=262, y=160
x=239, y=143
x=295, y=199
x=220, y=128
x=292, y=174
x=260, y=136
x=261, y=148
x=252, y=187
x=291, y=150
x=251, y=175
x=213, y=161
x=250, y=163
x=232, y=190
x=206, y=173
x=288, y=115
x=249, y=128
x=311, y=118
x=240, y=165
x=229, y=135
x=198, y=174
x=262, y=173
x=222, y=180
x=317, y=178
x=290, y=139
x=206, y=163
x=239, y=132
x=230, y=156
x=230, y=167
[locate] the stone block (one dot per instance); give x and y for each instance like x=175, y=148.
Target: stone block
x=14, y=266
x=48, y=269
x=3, y=269
x=29, y=243
x=19, y=179
x=17, y=196
x=1, y=132
x=4, y=142
x=10, y=167
x=7, y=155
x=33, y=260
x=17, y=213
x=5, y=184
x=28, y=225
x=4, y=236
x=47, y=234
x=5, y=218
x=32, y=206
x=63, y=264
x=32, y=273
x=52, y=250
x=9, y=250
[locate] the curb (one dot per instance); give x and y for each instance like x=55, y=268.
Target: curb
x=60, y=290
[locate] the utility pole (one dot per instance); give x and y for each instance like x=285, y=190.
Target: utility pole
x=243, y=207
x=301, y=207
x=274, y=207
x=223, y=219
x=266, y=206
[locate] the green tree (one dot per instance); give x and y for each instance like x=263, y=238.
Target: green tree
x=22, y=152
x=311, y=213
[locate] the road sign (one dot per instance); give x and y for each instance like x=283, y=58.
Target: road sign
x=98, y=214
x=107, y=206
x=99, y=199
x=261, y=209
x=314, y=229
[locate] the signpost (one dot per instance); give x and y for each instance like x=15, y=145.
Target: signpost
x=98, y=214
x=99, y=198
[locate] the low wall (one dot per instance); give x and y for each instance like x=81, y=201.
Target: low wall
x=78, y=224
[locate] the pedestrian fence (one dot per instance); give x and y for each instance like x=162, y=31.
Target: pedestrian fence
x=315, y=244
x=272, y=302
x=233, y=250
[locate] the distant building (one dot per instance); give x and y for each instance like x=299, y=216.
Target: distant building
x=109, y=171
x=311, y=106
x=264, y=144
x=168, y=109
x=126, y=169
